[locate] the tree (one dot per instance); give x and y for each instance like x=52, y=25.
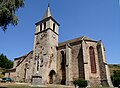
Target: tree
x=7, y=12
x=5, y=62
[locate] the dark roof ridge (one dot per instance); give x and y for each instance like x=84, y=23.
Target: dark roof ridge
x=77, y=39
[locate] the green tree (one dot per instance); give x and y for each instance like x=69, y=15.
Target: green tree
x=5, y=62
x=7, y=12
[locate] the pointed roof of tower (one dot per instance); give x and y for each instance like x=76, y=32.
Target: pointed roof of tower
x=47, y=13
x=47, y=16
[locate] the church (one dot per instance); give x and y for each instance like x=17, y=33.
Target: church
x=51, y=62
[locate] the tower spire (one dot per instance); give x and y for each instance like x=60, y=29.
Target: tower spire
x=48, y=4
x=47, y=13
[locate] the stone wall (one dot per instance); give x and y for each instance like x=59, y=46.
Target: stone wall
x=23, y=69
x=77, y=59
x=94, y=78
x=80, y=67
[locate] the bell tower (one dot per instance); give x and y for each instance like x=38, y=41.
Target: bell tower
x=45, y=49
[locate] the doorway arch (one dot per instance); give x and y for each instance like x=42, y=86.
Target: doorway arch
x=52, y=76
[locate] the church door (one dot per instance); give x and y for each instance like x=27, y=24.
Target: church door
x=51, y=76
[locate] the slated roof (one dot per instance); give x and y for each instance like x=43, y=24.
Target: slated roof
x=47, y=16
x=47, y=13
x=24, y=58
x=76, y=40
x=20, y=57
x=11, y=70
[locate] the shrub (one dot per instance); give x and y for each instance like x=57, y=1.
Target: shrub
x=1, y=75
x=116, y=78
x=80, y=83
x=115, y=81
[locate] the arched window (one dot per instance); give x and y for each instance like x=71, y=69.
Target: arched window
x=54, y=27
x=92, y=59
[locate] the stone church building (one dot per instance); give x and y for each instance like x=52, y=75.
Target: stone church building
x=51, y=62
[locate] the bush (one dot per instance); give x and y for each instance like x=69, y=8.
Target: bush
x=115, y=81
x=1, y=75
x=80, y=83
x=116, y=78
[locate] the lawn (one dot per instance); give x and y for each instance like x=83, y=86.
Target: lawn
x=13, y=85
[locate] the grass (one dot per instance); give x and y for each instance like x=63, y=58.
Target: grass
x=13, y=85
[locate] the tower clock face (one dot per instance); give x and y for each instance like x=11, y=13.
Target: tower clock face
x=43, y=35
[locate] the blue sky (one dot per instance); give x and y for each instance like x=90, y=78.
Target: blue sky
x=97, y=19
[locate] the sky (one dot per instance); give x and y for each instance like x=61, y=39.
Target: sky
x=96, y=19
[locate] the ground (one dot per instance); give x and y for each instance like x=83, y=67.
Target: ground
x=13, y=85
x=23, y=85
